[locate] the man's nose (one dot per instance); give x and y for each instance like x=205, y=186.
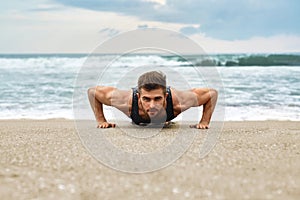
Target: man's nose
x=152, y=104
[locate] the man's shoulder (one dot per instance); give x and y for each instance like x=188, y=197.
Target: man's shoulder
x=179, y=93
x=182, y=98
x=122, y=99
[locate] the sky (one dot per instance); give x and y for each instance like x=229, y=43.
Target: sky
x=218, y=26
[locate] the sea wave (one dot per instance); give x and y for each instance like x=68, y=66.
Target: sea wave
x=42, y=86
x=241, y=60
x=17, y=60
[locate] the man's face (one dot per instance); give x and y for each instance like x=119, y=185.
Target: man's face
x=153, y=102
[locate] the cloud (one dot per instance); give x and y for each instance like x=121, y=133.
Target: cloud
x=142, y=26
x=190, y=30
x=132, y=7
x=109, y=31
x=219, y=26
x=272, y=44
x=45, y=8
x=226, y=19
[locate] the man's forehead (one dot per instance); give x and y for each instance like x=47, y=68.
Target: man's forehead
x=154, y=92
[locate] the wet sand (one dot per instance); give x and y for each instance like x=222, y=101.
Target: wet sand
x=251, y=160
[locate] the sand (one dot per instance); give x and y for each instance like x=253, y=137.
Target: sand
x=251, y=160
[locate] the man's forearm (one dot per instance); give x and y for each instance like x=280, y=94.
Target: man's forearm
x=208, y=107
x=98, y=111
x=206, y=115
x=96, y=106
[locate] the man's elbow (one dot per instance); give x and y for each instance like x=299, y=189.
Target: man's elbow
x=213, y=93
x=91, y=91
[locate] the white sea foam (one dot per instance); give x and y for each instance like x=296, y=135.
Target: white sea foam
x=41, y=87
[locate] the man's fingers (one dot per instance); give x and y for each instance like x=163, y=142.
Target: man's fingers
x=106, y=125
x=199, y=126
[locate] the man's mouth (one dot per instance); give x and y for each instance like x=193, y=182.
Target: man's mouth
x=152, y=111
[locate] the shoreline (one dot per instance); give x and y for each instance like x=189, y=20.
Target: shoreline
x=45, y=159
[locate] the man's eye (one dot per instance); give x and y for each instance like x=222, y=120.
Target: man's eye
x=145, y=99
x=157, y=98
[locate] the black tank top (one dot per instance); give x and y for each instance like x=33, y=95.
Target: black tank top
x=137, y=119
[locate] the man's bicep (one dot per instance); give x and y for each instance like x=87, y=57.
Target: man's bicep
x=202, y=94
x=104, y=94
x=187, y=99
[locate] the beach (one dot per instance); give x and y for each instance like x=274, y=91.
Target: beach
x=45, y=159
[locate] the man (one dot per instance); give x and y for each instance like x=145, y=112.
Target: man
x=152, y=101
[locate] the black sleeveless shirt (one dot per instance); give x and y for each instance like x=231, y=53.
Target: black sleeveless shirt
x=137, y=119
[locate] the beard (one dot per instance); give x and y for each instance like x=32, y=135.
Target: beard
x=156, y=116
x=160, y=117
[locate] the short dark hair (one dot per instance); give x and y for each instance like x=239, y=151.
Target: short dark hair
x=152, y=80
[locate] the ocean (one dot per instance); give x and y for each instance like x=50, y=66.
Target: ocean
x=255, y=87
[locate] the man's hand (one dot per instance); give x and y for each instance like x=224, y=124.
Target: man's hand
x=106, y=125
x=201, y=125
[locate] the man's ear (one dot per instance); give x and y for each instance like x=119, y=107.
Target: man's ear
x=166, y=95
x=138, y=95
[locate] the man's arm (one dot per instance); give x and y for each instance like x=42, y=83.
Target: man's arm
x=207, y=98
x=98, y=96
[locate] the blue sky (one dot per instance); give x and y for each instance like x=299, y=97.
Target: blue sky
x=220, y=26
